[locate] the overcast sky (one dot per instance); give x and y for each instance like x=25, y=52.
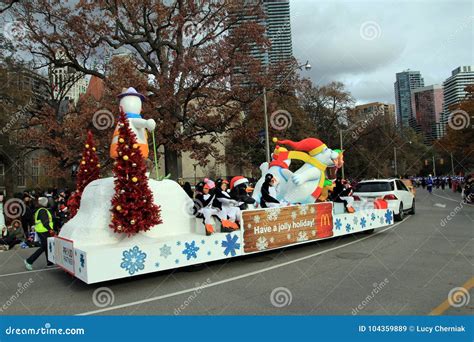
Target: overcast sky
x=364, y=43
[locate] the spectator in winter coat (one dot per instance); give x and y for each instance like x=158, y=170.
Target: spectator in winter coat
x=12, y=235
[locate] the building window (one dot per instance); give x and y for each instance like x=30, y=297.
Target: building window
x=20, y=178
x=35, y=170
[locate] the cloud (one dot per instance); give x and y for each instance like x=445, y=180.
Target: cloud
x=365, y=43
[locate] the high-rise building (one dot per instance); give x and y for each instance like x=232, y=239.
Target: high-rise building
x=405, y=82
x=370, y=111
x=454, y=90
x=278, y=30
x=68, y=83
x=427, y=106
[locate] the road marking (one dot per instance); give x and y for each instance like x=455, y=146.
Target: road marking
x=449, y=199
x=24, y=272
x=245, y=275
x=440, y=309
x=440, y=205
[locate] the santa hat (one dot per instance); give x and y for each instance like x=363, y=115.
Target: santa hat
x=237, y=180
x=131, y=92
x=311, y=145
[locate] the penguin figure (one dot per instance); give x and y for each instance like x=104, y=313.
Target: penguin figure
x=131, y=104
x=228, y=207
x=239, y=191
x=268, y=199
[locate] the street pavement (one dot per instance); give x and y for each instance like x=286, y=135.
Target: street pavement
x=409, y=268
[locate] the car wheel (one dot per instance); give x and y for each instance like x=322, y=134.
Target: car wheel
x=412, y=210
x=399, y=217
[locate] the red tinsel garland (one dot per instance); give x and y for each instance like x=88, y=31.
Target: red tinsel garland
x=89, y=170
x=133, y=209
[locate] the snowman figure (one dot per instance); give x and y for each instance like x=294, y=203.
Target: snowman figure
x=131, y=104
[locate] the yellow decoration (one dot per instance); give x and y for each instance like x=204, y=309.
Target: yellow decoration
x=274, y=139
x=125, y=157
x=118, y=208
x=132, y=221
x=121, y=140
x=134, y=179
x=93, y=149
x=135, y=145
x=83, y=162
x=98, y=165
x=87, y=145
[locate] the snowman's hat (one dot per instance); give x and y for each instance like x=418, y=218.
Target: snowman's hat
x=131, y=92
x=311, y=145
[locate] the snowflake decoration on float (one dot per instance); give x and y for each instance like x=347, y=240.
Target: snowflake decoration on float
x=178, y=243
x=256, y=219
x=82, y=260
x=133, y=260
x=230, y=244
x=381, y=219
x=303, y=209
x=355, y=220
x=262, y=243
x=348, y=227
x=190, y=250
x=388, y=216
x=302, y=236
x=313, y=232
x=157, y=264
x=363, y=222
x=338, y=224
x=372, y=217
x=272, y=214
x=165, y=251
x=293, y=215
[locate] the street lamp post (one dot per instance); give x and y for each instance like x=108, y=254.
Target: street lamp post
x=307, y=66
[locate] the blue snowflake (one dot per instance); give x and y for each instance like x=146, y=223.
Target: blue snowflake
x=203, y=242
x=50, y=247
x=165, y=251
x=133, y=260
x=176, y=261
x=178, y=243
x=388, y=216
x=216, y=242
x=348, y=227
x=191, y=250
x=355, y=220
x=82, y=260
x=363, y=222
x=208, y=252
x=157, y=264
x=230, y=244
x=338, y=224
x=373, y=217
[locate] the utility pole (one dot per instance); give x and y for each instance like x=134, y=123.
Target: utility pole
x=452, y=164
x=267, y=134
x=395, y=161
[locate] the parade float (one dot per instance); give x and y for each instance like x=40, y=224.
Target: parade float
x=130, y=224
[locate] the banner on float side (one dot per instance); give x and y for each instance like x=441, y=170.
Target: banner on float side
x=283, y=226
x=64, y=254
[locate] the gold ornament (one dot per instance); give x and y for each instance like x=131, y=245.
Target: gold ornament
x=93, y=149
x=83, y=162
x=121, y=140
x=134, y=179
x=98, y=165
x=135, y=145
x=125, y=157
x=134, y=164
x=118, y=208
x=132, y=221
x=92, y=160
x=119, y=228
x=87, y=145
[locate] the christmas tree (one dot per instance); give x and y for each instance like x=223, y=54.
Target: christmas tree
x=133, y=209
x=89, y=170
